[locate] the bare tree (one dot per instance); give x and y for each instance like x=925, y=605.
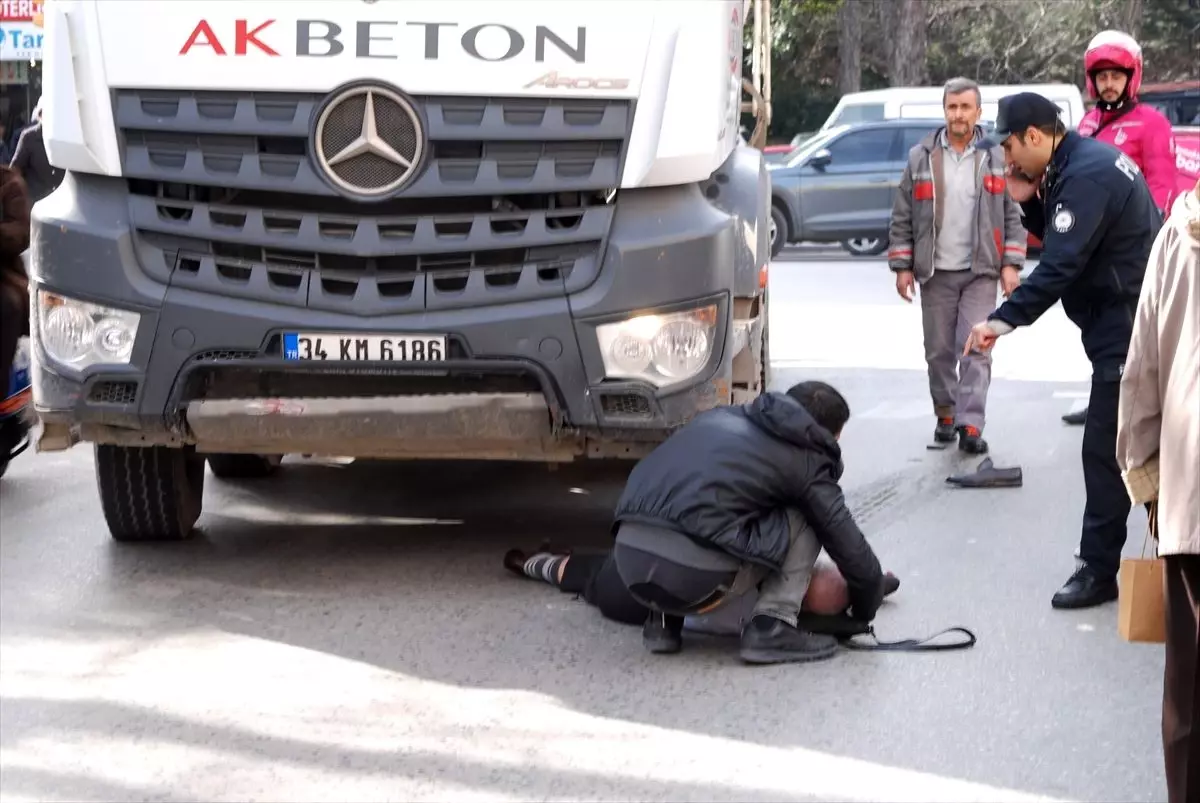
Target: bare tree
x=909, y=26
x=850, y=46
x=1131, y=18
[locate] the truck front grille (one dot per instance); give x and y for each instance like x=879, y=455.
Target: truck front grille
x=479, y=146
x=513, y=203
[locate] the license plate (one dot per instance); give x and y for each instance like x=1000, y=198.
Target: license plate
x=348, y=347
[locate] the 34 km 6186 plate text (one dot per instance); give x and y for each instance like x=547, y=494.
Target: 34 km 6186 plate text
x=347, y=347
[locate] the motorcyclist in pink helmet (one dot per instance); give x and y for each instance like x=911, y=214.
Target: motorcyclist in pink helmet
x=1113, y=68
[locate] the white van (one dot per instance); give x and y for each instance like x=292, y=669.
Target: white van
x=925, y=102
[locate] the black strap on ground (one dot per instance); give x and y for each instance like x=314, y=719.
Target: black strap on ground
x=912, y=644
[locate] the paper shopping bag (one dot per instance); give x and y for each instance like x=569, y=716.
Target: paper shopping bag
x=1141, y=615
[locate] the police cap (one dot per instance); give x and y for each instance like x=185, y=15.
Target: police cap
x=1018, y=112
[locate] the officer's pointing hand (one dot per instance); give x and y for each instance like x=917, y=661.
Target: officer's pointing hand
x=981, y=339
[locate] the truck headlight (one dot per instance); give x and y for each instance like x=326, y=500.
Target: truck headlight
x=80, y=334
x=659, y=349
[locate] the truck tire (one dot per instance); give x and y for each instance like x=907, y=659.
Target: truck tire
x=149, y=493
x=243, y=466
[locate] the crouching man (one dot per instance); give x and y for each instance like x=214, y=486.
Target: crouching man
x=740, y=499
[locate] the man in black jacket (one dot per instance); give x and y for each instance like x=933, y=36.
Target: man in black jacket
x=31, y=160
x=740, y=497
x=1097, y=220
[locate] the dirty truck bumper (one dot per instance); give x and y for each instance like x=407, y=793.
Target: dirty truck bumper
x=521, y=380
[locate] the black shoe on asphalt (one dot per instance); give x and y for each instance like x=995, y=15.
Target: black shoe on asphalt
x=663, y=634
x=1076, y=418
x=767, y=640
x=971, y=441
x=1084, y=590
x=944, y=431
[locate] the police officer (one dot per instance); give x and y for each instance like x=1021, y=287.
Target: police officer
x=1093, y=210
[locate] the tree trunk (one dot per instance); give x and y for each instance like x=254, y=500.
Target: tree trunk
x=1131, y=18
x=907, y=25
x=850, y=46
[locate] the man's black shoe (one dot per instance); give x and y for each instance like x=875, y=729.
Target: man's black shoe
x=944, y=431
x=767, y=640
x=663, y=634
x=1076, y=418
x=971, y=441
x=1085, y=590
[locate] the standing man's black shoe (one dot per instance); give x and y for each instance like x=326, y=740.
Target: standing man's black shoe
x=1085, y=590
x=767, y=640
x=971, y=441
x=663, y=634
x=944, y=432
x=1076, y=418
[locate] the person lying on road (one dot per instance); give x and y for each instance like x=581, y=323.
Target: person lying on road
x=592, y=575
x=741, y=497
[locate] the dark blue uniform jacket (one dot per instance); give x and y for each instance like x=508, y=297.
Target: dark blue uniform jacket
x=1097, y=221
x=727, y=478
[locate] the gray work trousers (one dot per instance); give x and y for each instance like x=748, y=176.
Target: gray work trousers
x=953, y=301
x=776, y=594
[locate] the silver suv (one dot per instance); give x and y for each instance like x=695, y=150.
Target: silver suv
x=838, y=186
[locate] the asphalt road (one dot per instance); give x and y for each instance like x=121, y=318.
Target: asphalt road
x=348, y=633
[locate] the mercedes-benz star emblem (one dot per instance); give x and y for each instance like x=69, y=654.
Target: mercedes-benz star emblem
x=369, y=141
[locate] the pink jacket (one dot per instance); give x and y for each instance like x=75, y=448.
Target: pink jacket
x=1146, y=137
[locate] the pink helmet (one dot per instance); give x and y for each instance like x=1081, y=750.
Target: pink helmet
x=1114, y=49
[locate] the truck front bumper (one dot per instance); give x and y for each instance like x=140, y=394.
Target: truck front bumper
x=522, y=380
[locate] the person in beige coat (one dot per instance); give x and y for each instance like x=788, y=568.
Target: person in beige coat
x=1158, y=449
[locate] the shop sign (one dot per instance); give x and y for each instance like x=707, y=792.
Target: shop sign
x=21, y=30
x=20, y=10
x=20, y=41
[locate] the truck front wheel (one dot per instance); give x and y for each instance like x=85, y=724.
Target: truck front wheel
x=244, y=466
x=150, y=493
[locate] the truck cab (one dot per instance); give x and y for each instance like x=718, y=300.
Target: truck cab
x=392, y=229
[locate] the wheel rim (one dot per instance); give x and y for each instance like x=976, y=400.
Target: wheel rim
x=863, y=244
x=772, y=230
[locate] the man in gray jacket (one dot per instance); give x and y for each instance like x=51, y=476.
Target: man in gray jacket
x=956, y=232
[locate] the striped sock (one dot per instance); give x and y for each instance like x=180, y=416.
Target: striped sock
x=544, y=566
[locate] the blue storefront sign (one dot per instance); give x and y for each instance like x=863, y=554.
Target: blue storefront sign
x=21, y=41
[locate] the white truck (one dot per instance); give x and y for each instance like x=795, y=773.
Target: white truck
x=394, y=229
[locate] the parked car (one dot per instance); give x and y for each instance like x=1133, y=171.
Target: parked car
x=777, y=154
x=925, y=103
x=1179, y=102
x=839, y=186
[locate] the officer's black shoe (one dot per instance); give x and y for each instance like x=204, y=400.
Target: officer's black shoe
x=1085, y=590
x=663, y=634
x=971, y=441
x=944, y=431
x=1076, y=418
x=767, y=640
